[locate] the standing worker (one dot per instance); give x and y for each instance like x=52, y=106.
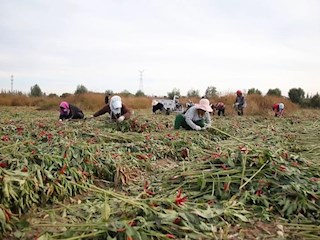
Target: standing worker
x=196, y=118
x=239, y=104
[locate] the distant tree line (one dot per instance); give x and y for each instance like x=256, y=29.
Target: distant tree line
x=296, y=95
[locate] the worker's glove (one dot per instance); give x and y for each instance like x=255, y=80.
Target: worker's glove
x=60, y=120
x=198, y=128
x=120, y=119
x=206, y=126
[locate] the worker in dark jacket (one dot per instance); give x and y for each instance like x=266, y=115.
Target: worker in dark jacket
x=157, y=106
x=69, y=111
x=239, y=104
x=117, y=111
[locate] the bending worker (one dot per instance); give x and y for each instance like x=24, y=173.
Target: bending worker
x=278, y=109
x=117, y=111
x=196, y=118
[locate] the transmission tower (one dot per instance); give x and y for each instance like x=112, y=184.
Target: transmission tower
x=11, y=83
x=141, y=80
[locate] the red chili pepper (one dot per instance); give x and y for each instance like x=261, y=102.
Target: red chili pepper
x=146, y=189
x=153, y=205
x=24, y=169
x=226, y=187
x=216, y=155
x=4, y=164
x=225, y=167
x=115, y=155
x=171, y=236
x=7, y=214
x=132, y=223
x=130, y=238
x=142, y=157
x=148, y=138
x=177, y=220
x=63, y=169
x=313, y=179
x=179, y=199
x=19, y=130
x=259, y=192
x=283, y=168
x=5, y=138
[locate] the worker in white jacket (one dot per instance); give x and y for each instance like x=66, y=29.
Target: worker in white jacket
x=196, y=118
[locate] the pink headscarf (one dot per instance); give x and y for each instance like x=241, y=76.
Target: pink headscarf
x=64, y=108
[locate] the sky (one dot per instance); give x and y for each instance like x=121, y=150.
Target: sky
x=158, y=45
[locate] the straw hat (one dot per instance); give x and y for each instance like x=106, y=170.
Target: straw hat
x=204, y=104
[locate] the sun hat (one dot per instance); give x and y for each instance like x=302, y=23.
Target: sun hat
x=154, y=102
x=116, y=104
x=204, y=104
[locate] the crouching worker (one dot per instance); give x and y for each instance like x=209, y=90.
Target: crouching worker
x=278, y=109
x=196, y=118
x=220, y=107
x=117, y=111
x=69, y=111
x=157, y=106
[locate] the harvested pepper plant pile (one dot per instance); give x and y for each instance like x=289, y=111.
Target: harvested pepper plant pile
x=244, y=178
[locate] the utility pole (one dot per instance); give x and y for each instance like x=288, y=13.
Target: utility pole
x=11, y=83
x=141, y=81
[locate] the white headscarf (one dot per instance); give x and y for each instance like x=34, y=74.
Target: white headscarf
x=115, y=105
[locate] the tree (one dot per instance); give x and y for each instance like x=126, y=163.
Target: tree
x=52, y=95
x=81, y=89
x=296, y=95
x=193, y=93
x=64, y=95
x=139, y=93
x=315, y=101
x=211, y=92
x=274, y=92
x=126, y=93
x=108, y=92
x=254, y=91
x=174, y=92
x=35, y=91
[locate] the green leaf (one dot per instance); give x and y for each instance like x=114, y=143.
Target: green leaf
x=242, y=217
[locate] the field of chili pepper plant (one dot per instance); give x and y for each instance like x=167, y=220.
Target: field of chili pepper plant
x=247, y=177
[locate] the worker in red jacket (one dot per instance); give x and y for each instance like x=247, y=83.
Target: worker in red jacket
x=278, y=109
x=220, y=107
